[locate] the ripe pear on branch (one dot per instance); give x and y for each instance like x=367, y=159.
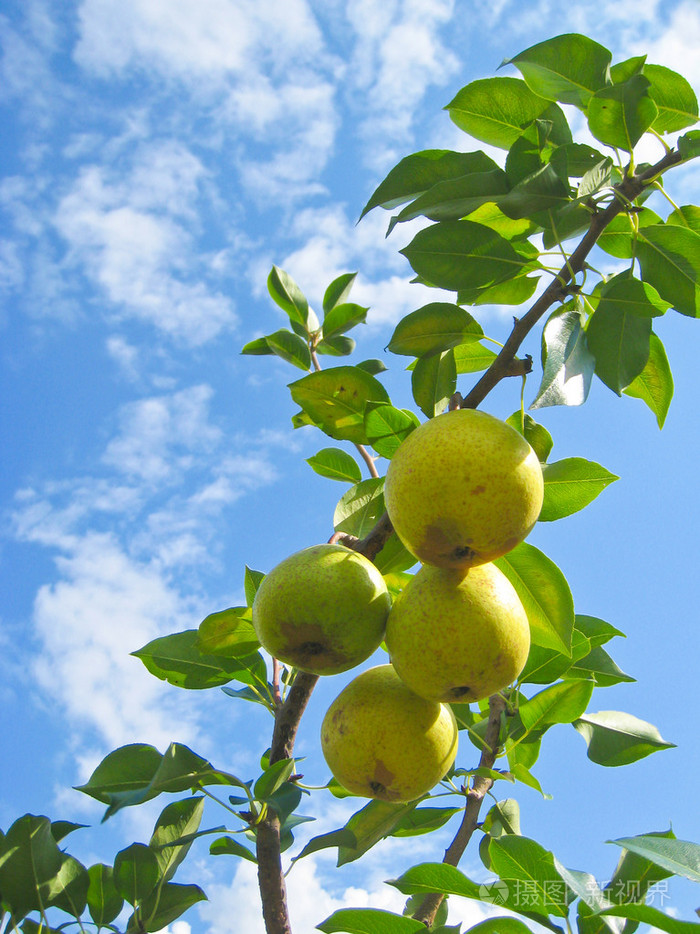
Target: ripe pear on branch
x=456, y=636
x=380, y=740
x=462, y=489
x=322, y=609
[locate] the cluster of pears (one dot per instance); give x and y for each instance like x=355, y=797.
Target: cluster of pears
x=463, y=489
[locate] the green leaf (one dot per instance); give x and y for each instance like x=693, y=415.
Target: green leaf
x=167, y=904
x=536, y=435
x=620, y=114
x=490, y=215
x=542, y=191
x=230, y=633
x=227, y=846
x=341, y=318
x=338, y=346
x=522, y=774
x=336, y=465
x=177, y=820
x=369, y=921
x=659, y=920
x=563, y=702
x=286, y=293
x=688, y=215
x=456, y=197
x=29, y=861
x=674, y=97
x=420, y=171
x=512, y=292
x=597, y=630
x=103, y=900
x=570, y=485
x=386, y=427
x=251, y=581
x=181, y=769
x=525, y=865
x=433, y=382
x=471, y=358
x=432, y=329
x=258, y=347
x=670, y=259
x=654, y=385
x=568, y=68
x=689, y=145
x=371, y=366
x=290, y=347
x=177, y=660
x=496, y=110
x=335, y=399
x=423, y=820
x=371, y=824
x=68, y=889
x=619, y=239
x=500, y=925
x=136, y=872
x=127, y=769
x=338, y=291
x=597, y=664
x=359, y=509
x=435, y=877
x=568, y=365
x=324, y=841
x=676, y=856
x=458, y=255
x=273, y=778
x=615, y=738
x=618, y=335
x=394, y=557
x=544, y=593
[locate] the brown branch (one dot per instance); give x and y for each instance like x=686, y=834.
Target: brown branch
x=481, y=785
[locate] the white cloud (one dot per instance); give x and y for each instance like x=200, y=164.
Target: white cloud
x=132, y=234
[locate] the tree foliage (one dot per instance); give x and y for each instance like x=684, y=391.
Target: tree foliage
x=495, y=232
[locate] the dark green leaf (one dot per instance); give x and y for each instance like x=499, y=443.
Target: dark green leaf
x=433, y=382
x=536, y=435
x=689, y=145
x=635, y=875
x=227, y=846
x=333, y=838
x=456, y=197
x=542, y=191
x=290, y=347
x=544, y=593
x=620, y=114
x=688, y=215
x=177, y=660
x=670, y=259
x=674, y=98
x=524, y=863
x=568, y=364
x=619, y=340
x=544, y=666
x=432, y=329
x=423, y=820
x=61, y=829
x=29, y=861
x=657, y=919
x=359, y=509
x=68, y=889
x=273, y=778
x=512, y=292
x=336, y=465
x=369, y=921
x=167, y=904
x=675, y=856
x=615, y=738
x=136, y=872
x=335, y=399
x=435, y=877
x=568, y=68
x=286, y=293
x=251, y=581
x=496, y=110
x=600, y=666
x=654, y=385
x=258, y=347
x=570, y=485
x=338, y=291
x=596, y=630
x=500, y=925
x=182, y=769
x=104, y=902
x=371, y=824
x=338, y=346
x=386, y=427
x=371, y=366
x=230, y=633
x=177, y=820
x=458, y=255
x=341, y=318
x=420, y=171
x=127, y=769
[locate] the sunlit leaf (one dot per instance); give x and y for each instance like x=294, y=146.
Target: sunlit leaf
x=496, y=110
x=568, y=68
x=335, y=464
x=570, y=485
x=615, y=738
x=654, y=385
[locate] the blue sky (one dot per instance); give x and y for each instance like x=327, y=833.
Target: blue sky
x=158, y=157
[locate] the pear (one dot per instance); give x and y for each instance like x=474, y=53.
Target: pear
x=456, y=636
x=322, y=609
x=381, y=740
x=462, y=489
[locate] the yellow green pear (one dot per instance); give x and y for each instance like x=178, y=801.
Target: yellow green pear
x=381, y=740
x=462, y=489
x=458, y=637
x=322, y=609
